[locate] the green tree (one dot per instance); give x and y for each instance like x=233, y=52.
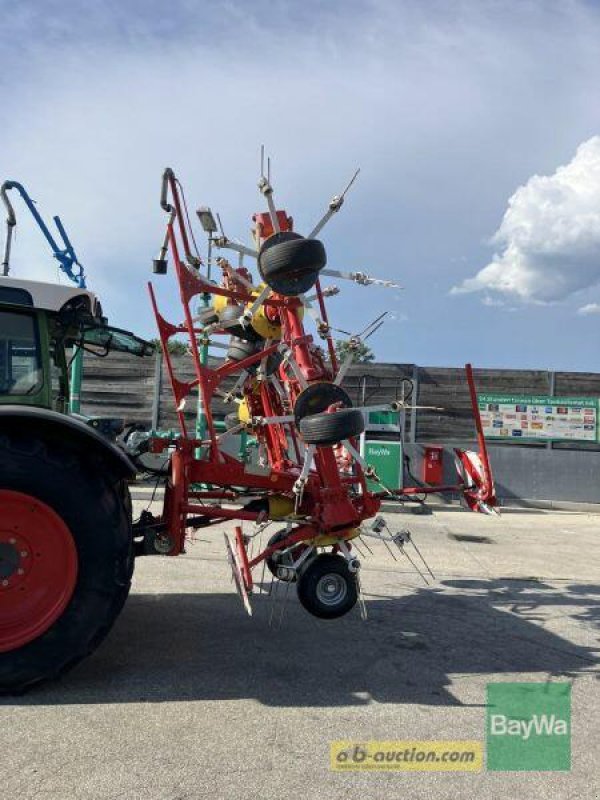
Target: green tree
x=176, y=348
x=362, y=355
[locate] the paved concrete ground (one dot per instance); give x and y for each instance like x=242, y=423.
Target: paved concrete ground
x=190, y=698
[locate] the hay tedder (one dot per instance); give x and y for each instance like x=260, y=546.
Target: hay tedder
x=310, y=478
x=67, y=539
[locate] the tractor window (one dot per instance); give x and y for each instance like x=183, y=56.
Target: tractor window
x=105, y=338
x=20, y=362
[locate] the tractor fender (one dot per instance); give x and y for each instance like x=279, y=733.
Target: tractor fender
x=61, y=427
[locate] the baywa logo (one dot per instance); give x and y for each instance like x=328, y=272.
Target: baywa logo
x=379, y=451
x=529, y=726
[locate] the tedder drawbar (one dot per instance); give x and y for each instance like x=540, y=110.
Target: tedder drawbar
x=310, y=478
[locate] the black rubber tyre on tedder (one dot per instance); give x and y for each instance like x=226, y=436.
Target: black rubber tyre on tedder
x=239, y=349
x=317, y=397
x=279, y=559
x=325, y=429
x=326, y=587
x=290, y=264
x=231, y=314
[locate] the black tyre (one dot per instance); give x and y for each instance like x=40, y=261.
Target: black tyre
x=317, y=397
x=231, y=314
x=325, y=429
x=290, y=264
x=259, y=504
x=282, y=559
x=231, y=420
x=69, y=523
x=239, y=349
x=272, y=364
x=326, y=588
x=207, y=316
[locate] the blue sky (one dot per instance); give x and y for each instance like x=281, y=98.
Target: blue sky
x=448, y=108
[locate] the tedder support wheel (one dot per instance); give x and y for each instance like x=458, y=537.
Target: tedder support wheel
x=231, y=420
x=279, y=559
x=327, y=588
x=232, y=313
x=66, y=557
x=290, y=264
x=239, y=349
x=317, y=397
x=207, y=316
x=331, y=428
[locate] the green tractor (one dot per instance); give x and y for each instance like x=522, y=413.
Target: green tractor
x=66, y=541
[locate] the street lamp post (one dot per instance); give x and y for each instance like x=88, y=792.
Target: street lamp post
x=209, y=226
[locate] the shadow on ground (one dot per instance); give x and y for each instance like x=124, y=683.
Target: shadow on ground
x=533, y=600
x=200, y=646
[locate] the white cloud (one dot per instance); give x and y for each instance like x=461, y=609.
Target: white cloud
x=589, y=308
x=493, y=302
x=549, y=238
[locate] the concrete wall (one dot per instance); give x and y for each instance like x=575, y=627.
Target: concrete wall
x=130, y=387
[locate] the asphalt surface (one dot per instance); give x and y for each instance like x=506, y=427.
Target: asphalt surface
x=190, y=698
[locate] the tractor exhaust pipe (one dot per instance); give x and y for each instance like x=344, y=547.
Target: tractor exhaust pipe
x=11, y=221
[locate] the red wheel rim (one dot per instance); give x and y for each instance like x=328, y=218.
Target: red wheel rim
x=38, y=568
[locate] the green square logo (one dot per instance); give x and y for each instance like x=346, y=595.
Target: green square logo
x=528, y=726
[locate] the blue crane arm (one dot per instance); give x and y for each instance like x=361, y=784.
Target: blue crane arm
x=66, y=257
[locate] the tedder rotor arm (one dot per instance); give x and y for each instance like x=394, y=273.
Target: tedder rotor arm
x=336, y=202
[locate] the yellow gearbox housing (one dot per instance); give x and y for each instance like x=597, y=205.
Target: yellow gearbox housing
x=219, y=303
x=280, y=506
x=244, y=414
x=328, y=541
x=260, y=322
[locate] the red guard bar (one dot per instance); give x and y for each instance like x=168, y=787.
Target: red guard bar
x=485, y=461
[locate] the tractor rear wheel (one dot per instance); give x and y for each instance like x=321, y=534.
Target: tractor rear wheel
x=66, y=557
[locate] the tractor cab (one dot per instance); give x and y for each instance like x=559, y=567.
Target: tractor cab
x=41, y=326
